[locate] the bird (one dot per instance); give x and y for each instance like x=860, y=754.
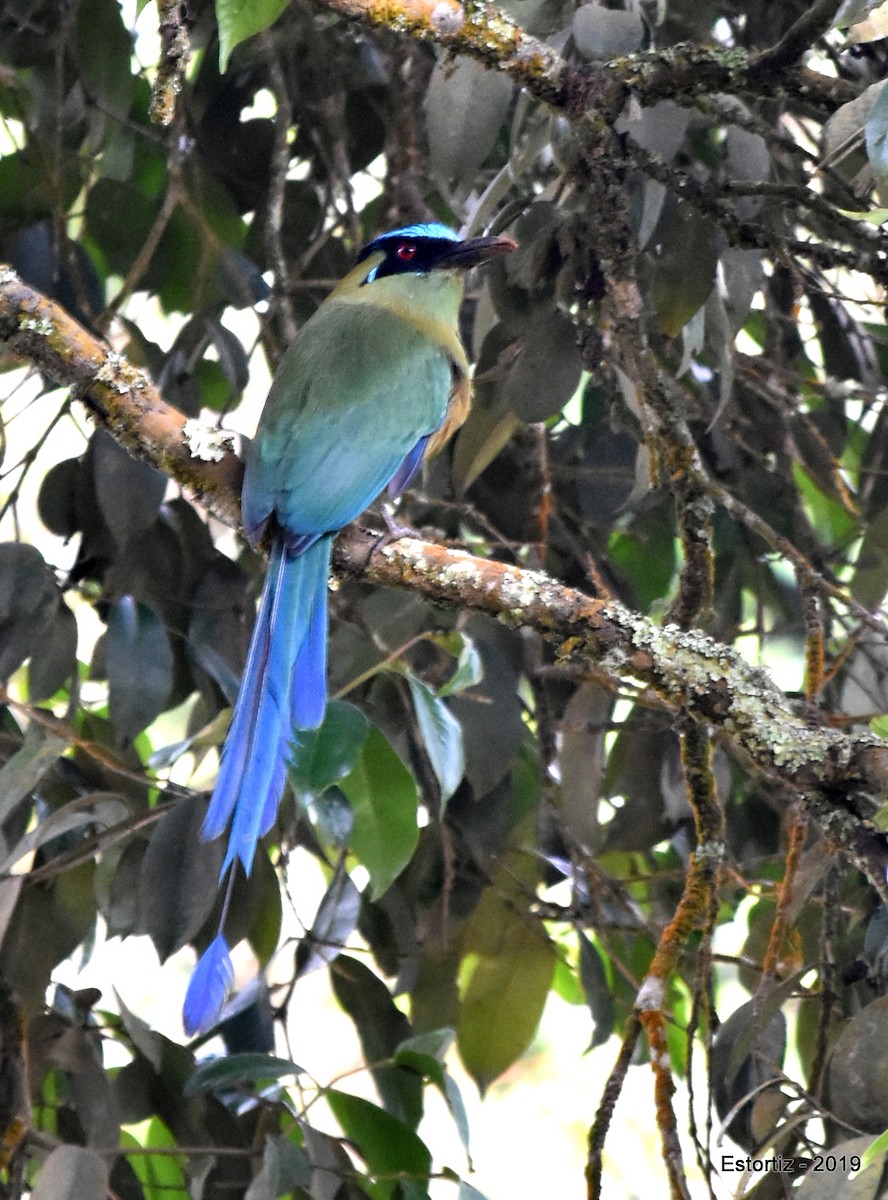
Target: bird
x=375, y=382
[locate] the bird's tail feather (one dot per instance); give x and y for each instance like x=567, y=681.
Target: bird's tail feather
x=284, y=686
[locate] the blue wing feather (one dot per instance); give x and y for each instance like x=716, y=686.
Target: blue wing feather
x=326, y=448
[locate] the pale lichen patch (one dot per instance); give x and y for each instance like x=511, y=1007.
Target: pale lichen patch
x=651, y=995
x=121, y=375
x=206, y=442
x=447, y=18
x=40, y=325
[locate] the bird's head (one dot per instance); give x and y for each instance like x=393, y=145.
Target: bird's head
x=422, y=249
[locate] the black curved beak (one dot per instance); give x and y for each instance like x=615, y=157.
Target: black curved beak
x=475, y=251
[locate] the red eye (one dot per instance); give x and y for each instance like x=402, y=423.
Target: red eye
x=406, y=251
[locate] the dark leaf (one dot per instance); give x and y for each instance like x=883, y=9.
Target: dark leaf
x=179, y=878
x=103, y=48
x=382, y=1027
x=57, y=502
x=334, y=923
x=490, y=714
x=221, y=612
x=50, y=920
x=238, y=1071
x=139, y=660
x=547, y=371
x=584, y=728
x=595, y=987
x=54, y=660
x=876, y=132
x=128, y=491
x=683, y=281
x=284, y=1167
x=747, y=1052
x=119, y=241
x=240, y=279
x=603, y=33
x=72, y=1173
x=28, y=603
x=465, y=108
x=856, y=1089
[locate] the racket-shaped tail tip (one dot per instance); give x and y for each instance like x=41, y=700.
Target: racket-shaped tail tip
x=208, y=989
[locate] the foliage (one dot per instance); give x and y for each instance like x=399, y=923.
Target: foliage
x=679, y=406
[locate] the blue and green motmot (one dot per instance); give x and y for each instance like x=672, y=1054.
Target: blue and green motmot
x=375, y=382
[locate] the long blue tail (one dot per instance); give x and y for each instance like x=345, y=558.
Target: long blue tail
x=284, y=687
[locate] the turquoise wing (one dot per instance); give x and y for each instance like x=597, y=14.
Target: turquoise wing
x=348, y=405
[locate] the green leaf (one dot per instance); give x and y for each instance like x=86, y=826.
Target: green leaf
x=139, y=659
x=425, y=1054
x=323, y=756
x=384, y=798
x=876, y=1150
x=469, y=667
x=241, y=19
x=683, y=281
x=386, y=1144
x=236, y=1070
x=39, y=752
x=441, y=736
x=507, y=971
x=644, y=552
x=487, y=430
x=160, y=1175
x=832, y=521
x=875, y=216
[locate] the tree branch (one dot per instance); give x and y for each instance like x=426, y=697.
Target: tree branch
x=681, y=72
x=694, y=674
x=118, y=396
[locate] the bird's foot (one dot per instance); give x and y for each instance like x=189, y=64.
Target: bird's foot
x=395, y=529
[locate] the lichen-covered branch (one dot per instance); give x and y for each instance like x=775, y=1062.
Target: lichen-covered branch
x=175, y=52
x=117, y=395
x=681, y=72
x=693, y=673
